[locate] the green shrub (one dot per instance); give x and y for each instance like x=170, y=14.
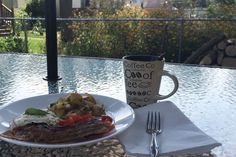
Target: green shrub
x=11, y=44
x=116, y=39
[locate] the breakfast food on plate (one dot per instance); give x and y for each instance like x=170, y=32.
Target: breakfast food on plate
x=74, y=118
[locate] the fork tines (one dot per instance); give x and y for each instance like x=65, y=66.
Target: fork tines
x=153, y=127
x=153, y=122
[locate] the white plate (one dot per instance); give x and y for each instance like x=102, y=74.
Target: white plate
x=122, y=114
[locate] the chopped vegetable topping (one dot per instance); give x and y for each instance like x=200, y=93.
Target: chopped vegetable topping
x=76, y=103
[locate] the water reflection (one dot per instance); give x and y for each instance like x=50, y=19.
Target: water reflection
x=53, y=87
x=21, y=77
x=91, y=75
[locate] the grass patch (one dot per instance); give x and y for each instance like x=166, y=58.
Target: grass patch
x=36, y=42
x=33, y=34
x=36, y=45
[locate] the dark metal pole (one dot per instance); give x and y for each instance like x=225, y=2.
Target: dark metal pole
x=181, y=36
x=0, y=11
x=13, y=21
x=51, y=40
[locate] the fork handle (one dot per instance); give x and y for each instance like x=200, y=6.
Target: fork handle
x=154, y=147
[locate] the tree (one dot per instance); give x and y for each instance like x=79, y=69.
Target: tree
x=189, y=3
x=222, y=8
x=224, y=2
x=36, y=8
x=109, y=5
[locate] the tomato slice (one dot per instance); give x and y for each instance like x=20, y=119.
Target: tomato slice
x=74, y=118
x=78, y=118
x=66, y=122
x=106, y=118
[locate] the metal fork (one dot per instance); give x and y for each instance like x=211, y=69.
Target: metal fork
x=153, y=127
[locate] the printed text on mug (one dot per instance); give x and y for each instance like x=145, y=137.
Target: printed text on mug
x=130, y=74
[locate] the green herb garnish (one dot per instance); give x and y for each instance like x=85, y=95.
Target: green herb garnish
x=35, y=111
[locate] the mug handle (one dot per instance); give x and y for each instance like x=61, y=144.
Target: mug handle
x=176, y=82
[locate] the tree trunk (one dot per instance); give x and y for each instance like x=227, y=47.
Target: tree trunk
x=221, y=45
x=229, y=62
x=231, y=50
x=220, y=56
x=231, y=41
x=209, y=58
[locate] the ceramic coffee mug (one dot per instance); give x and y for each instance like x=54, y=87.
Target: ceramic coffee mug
x=143, y=75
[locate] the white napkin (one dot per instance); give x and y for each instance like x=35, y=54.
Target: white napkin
x=179, y=135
